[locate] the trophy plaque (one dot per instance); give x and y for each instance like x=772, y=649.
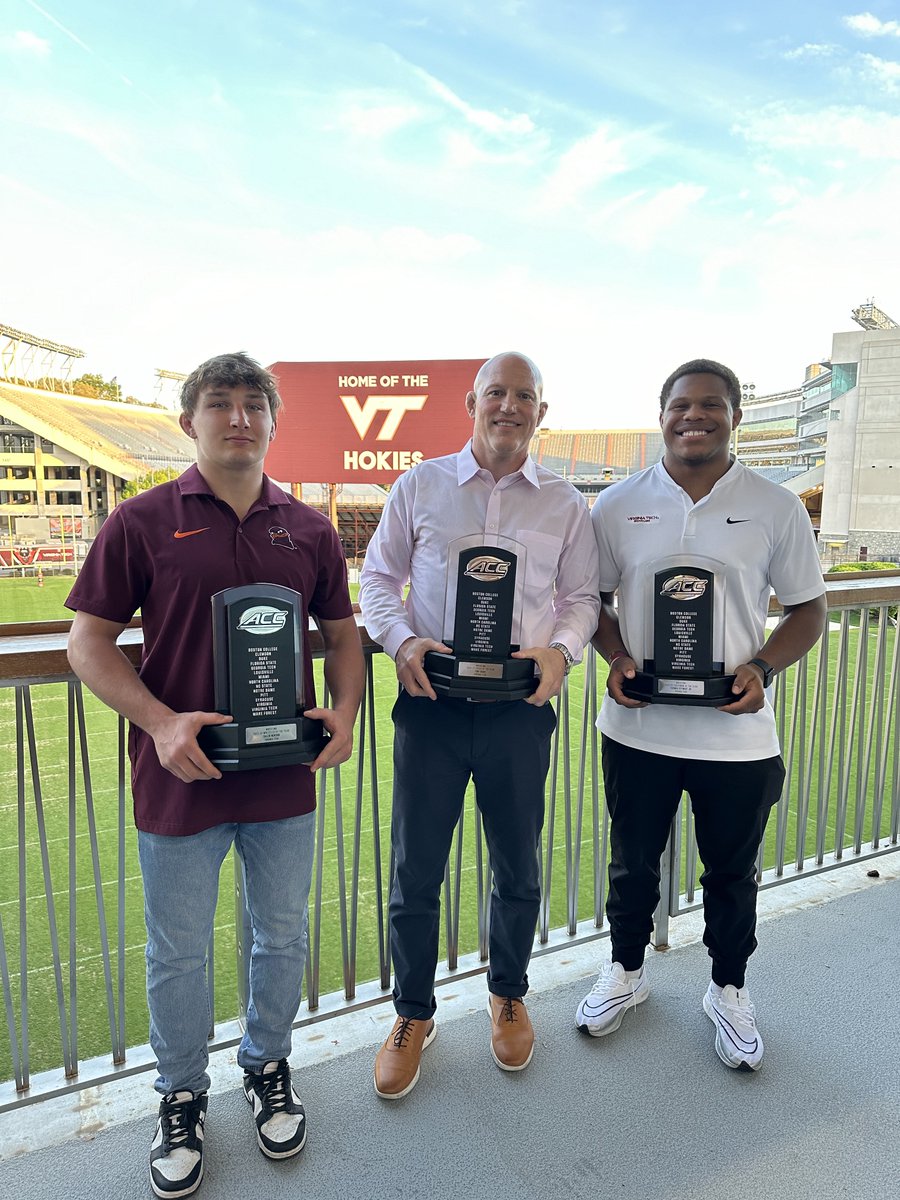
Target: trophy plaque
x=684, y=629
x=484, y=595
x=258, y=677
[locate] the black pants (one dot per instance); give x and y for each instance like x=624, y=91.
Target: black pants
x=438, y=745
x=731, y=803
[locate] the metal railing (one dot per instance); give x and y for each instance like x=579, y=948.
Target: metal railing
x=74, y=950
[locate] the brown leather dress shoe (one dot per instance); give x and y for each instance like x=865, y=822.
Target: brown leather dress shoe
x=397, y=1062
x=512, y=1034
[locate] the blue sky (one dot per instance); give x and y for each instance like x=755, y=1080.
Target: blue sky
x=612, y=188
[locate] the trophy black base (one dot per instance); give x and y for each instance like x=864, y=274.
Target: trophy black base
x=711, y=691
x=480, y=679
x=272, y=742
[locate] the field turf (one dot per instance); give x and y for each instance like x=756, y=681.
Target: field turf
x=23, y=600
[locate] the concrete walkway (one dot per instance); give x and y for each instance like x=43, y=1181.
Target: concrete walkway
x=647, y=1114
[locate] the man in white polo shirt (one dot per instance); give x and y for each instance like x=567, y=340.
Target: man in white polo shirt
x=697, y=501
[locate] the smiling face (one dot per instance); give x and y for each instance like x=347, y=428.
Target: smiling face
x=697, y=423
x=507, y=408
x=232, y=427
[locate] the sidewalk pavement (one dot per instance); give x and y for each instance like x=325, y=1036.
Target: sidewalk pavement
x=648, y=1113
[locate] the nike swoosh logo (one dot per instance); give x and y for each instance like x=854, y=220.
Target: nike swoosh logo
x=189, y=532
x=728, y=521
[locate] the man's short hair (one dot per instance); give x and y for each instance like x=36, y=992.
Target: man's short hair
x=229, y=370
x=703, y=366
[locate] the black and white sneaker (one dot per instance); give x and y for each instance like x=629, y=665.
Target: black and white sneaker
x=176, y=1156
x=739, y=1043
x=280, y=1117
x=614, y=993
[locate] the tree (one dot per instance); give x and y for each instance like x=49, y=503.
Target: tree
x=151, y=479
x=95, y=387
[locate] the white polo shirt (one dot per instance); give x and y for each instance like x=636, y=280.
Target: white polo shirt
x=760, y=537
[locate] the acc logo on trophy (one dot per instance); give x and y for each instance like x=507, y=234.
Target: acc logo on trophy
x=486, y=568
x=684, y=587
x=262, y=618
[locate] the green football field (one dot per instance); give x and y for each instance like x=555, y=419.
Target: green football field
x=50, y=722
x=25, y=600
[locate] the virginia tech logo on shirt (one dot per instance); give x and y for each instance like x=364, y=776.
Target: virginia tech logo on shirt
x=262, y=618
x=486, y=568
x=641, y=519
x=279, y=536
x=684, y=587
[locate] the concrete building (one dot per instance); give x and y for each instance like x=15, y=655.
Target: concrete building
x=861, y=497
x=67, y=457
x=835, y=441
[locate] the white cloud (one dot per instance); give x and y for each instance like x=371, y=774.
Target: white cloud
x=499, y=124
x=883, y=71
x=464, y=151
x=589, y=161
x=811, y=50
x=640, y=223
x=23, y=41
x=389, y=247
x=107, y=135
x=376, y=120
x=868, y=25
x=867, y=133
x=717, y=264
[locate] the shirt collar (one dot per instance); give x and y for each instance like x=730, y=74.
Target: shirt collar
x=721, y=483
x=192, y=483
x=467, y=467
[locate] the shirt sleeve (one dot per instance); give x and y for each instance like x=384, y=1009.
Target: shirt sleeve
x=577, y=601
x=795, y=572
x=609, y=574
x=386, y=571
x=115, y=576
x=331, y=598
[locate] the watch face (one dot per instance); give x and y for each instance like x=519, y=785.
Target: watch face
x=767, y=671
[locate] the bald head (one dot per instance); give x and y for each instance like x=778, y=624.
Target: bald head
x=506, y=406
x=499, y=360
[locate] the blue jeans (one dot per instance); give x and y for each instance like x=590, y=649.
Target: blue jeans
x=181, y=885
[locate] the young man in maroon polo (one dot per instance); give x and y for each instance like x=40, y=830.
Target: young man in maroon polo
x=221, y=524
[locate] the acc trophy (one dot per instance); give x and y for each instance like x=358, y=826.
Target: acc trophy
x=684, y=631
x=486, y=604
x=258, y=675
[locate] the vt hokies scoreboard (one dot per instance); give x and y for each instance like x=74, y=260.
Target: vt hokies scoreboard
x=368, y=422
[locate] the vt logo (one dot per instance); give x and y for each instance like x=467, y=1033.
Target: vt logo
x=396, y=407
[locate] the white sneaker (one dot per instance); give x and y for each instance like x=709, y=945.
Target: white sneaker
x=176, y=1155
x=277, y=1111
x=602, y=1009
x=738, y=1041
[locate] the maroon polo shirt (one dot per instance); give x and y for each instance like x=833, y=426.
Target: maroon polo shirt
x=166, y=552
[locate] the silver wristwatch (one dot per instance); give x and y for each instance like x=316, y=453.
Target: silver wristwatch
x=570, y=661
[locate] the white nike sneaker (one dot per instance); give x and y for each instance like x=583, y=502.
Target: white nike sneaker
x=602, y=1009
x=738, y=1041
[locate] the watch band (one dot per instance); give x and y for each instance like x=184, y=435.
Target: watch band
x=767, y=669
x=564, y=651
